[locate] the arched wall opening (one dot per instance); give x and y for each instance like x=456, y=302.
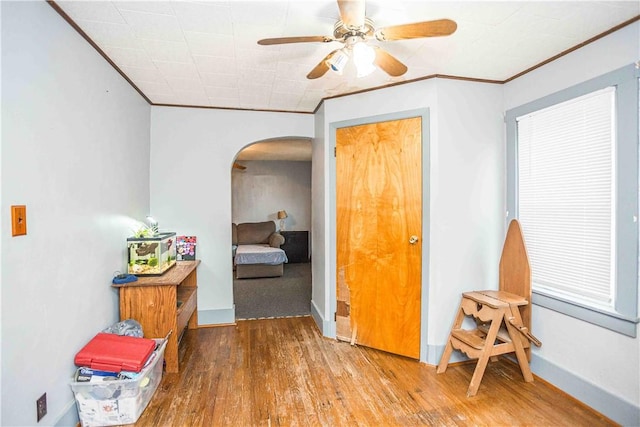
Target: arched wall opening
x=269, y=177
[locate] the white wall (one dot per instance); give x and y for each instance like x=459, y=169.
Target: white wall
x=467, y=200
x=1, y=228
x=192, y=151
x=599, y=356
x=75, y=151
x=320, y=237
x=463, y=183
x=266, y=187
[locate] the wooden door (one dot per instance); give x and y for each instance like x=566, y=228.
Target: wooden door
x=379, y=209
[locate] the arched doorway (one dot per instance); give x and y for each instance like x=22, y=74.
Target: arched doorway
x=271, y=177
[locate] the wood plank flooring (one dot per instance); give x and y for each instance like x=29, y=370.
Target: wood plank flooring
x=283, y=372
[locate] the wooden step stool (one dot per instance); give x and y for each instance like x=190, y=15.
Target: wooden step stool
x=497, y=333
x=503, y=318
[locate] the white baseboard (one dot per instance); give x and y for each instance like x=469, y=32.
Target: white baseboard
x=324, y=325
x=223, y=316
x=607, y=404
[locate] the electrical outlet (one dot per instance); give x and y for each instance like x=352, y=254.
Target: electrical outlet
x=41, y=406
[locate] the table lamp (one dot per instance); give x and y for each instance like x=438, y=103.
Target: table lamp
x=281, y=216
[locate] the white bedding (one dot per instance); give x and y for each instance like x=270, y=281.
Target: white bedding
x=259, y=254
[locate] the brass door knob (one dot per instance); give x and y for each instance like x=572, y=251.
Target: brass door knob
x=413, y=239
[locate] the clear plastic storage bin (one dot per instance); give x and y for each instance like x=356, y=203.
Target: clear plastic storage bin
x=118, y=402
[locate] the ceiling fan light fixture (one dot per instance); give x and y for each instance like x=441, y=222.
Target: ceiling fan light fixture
x=363, y=58
x=338, y=61
x=354, y=29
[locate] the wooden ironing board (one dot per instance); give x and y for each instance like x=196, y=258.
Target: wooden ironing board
x=503, y=317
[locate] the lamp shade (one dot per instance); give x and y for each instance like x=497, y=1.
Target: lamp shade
x=282, y=214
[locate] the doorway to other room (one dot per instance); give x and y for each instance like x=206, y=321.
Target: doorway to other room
x=271, y=190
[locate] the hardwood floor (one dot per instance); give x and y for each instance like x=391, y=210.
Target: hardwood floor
x=283, y=372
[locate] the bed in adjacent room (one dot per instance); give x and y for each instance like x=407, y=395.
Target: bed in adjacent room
x=257, y=250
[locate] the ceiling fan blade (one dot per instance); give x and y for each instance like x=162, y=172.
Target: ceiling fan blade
x=388, y=63
x=352, y=13
x=441, y=27
x=304, y=39
x=322, y=67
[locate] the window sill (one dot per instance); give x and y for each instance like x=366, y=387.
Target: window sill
x=614, y=321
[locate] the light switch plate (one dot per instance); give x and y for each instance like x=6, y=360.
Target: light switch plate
x=18, y=220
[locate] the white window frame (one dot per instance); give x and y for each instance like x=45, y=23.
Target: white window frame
x=623, y=316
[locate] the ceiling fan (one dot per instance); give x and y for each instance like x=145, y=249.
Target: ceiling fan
x=354, y=29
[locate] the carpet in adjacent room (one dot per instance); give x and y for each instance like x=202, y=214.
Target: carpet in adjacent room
x=289, y=295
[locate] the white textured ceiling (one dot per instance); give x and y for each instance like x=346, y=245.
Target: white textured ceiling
x=205, y=53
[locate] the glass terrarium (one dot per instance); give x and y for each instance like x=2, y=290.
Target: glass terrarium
x=153, y=255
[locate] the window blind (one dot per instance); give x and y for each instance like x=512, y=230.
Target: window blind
x=566, y=196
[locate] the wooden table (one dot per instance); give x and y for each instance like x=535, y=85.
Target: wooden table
x=163, y=304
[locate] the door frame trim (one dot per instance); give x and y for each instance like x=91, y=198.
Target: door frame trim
x=426, y=163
